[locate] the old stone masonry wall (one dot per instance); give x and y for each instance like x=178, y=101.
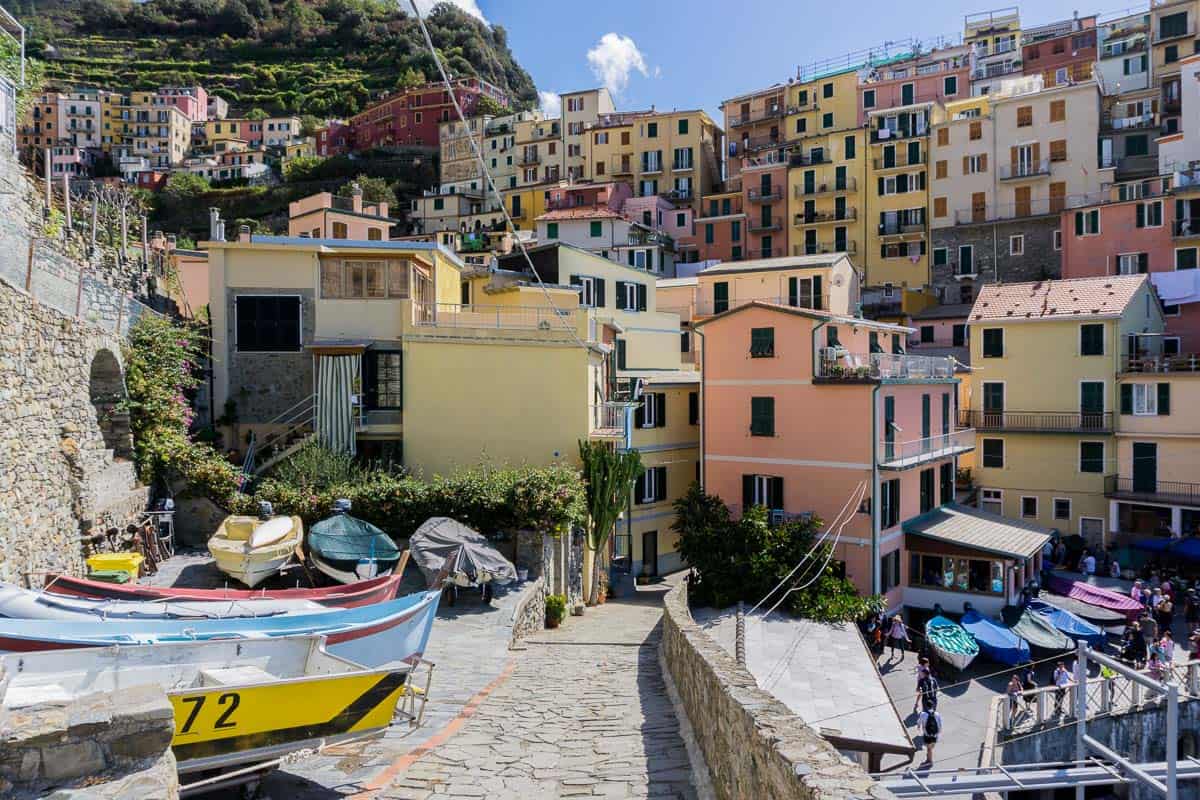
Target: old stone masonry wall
x=64, y=440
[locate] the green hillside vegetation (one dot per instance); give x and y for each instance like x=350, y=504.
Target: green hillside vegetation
x=322, y=57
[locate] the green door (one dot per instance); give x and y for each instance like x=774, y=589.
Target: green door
x=889, y=431
x=720, y=297
x=1091, y=405
x=1145, y=467
x=906, y=94
x=993, y=405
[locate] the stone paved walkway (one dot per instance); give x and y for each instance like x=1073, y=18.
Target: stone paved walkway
x=584, y=713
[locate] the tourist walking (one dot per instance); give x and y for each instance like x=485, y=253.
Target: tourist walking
x=1029, y=681
x=1155, y=667
x=1166, y=646
x=1135, y=592
x=930, y=723
x=897, y=637
x=1148, y=625
x=1135, y=648
x=927, y=687
x=1166, y=613
x=1015, y=688
x=1062, y=680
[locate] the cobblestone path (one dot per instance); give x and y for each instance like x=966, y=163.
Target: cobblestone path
x=583, y=713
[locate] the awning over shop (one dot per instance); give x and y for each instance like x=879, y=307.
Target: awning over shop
x=980, y=530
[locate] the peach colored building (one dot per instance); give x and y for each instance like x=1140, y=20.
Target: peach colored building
x=808, y=412
x=324, y=216
x=1143, y=234
x=719, y=232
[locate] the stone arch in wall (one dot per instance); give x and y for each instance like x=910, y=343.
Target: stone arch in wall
x=106, y=390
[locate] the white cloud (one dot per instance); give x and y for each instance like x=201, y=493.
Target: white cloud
x=613, y=59
x=551, y=103
x=469, y=6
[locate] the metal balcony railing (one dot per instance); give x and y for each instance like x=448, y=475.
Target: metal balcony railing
x=528, y=157
x=836, y=363
x=1185, y=228
x=901, y=455
x=651, y=166
x=901, y=160
x=495, y=317
x=889, y=135
x=768, y=224
x=996, y=70
x=760, y=142
x=901, y=227
x=820, y=248
x=765, y=194
x=762, y=114
x=678, y=195
x=641, y=237
x=821, y=217
x=1115, y=123
x=809, y=159
x=1151, y=489
x=1034, y=169
x=1036, y=207
x=1037, y=421
x=1111, y=51
x=849, y=184
x=608, y=420
x=1184, y=362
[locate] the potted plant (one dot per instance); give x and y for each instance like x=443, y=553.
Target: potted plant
x=556, y=610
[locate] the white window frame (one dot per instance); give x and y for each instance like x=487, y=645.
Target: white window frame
x=1175, y=262
x=1016, y=244
x=1054, y=507
x=650, y=486
x=631, y=298
x=762, y=490
x=587, y=293
x=1146, y=213
x=1036, y=510
x=649, y=414
x=889, y=185
x=1122, y=263
x=1178, y=342
x=1147, y=394
x=1056, y=239
x=1086, y=216
x=1061, y=76
x=991, y=496
x=974, y=164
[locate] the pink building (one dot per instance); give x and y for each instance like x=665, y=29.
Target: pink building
x=1145, y=235
x=935, y=77
x=334, y=139
x=807, y=412
x=191, y=100
x=609, y=196
x=764, y=196
x=325, y=216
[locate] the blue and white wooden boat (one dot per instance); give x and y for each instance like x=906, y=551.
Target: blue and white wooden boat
x=1069, y=624
x=373, y=635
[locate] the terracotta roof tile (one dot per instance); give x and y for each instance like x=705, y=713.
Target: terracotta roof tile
x=1077, y=297
x=583, y=212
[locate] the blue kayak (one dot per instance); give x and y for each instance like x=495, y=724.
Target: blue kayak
x=996, y=641
x=1069, y=624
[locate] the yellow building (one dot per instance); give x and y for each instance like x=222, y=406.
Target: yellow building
x=1154, y=487
x=994, y=38
x=526, y=203
x=139, y=125
x=579, y=111
x=538, y=151
x=1174, y=36
x=675, y=154
x=1046, y=359
x=827, y=165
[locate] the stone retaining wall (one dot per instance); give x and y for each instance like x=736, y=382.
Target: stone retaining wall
x=98, y=746
x=753, y=745
x=529, y=617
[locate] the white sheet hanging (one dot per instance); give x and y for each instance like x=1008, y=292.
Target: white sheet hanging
x=1178, y=287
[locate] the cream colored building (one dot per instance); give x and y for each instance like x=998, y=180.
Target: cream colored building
x=538, y=151
x=579, y=110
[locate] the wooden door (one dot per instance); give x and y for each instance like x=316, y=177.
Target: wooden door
x=1023, y=201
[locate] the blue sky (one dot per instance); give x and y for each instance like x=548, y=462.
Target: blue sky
x=678, y=54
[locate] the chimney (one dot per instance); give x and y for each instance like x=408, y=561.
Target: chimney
x=171, y=241
x=244, y=234
x=356, y=198
x=214, y=225
x=383, y=209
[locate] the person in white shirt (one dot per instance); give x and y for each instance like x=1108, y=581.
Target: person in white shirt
x=1114, y=570
x=1062, y=680
x=930, y=724
x=1089, y=563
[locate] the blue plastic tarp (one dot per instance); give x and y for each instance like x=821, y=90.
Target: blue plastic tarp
x=1157, y=544
x=996, y=641
x=1069, y=624
x=1188, y=548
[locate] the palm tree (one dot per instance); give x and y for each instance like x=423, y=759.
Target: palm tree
x=608, y=478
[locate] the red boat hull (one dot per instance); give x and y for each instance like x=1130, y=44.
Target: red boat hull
x=363, y=593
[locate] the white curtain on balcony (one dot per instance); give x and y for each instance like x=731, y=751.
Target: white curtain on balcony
x=337, y=377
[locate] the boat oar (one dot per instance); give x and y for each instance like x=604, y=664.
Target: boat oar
x=299, y=553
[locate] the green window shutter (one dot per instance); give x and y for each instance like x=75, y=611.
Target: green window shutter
x=816, y=292
x=551, y=230
x=598, y=284
x=641, y=297
x=747, y=491
x=621, y=353
x=762, y=342
x=831, y=336
x=1164, y=399
x=720, y=297
x=1094, y=220
x=660, y=406
x=762, y=416
x=629, y=257
x=775, y=494
x=793, y=297
x=708, y=233
x=621, y=296
x=1079, y=223
x=1126, y=398
x=596, y=229
x=1141, y=215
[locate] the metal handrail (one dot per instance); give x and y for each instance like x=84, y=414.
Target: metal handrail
x=1097, y=421
x=498, y=317
x=926, y=449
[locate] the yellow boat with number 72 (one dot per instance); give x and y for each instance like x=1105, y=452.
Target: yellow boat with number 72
x=236, y=702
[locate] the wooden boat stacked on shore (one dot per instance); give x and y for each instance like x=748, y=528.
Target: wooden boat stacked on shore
x=250, y=549
x=951, y=642
x=236, y=702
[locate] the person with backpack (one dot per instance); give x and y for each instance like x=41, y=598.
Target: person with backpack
x=930, y=723
x=927, y=687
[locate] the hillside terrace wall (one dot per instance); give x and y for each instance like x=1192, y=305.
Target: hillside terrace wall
x=754, y=746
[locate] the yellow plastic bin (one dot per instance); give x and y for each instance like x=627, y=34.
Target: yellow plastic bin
x=124, y=562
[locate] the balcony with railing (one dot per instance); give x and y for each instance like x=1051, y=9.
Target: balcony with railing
x=1112, y=51
x=643, y=237
x=1036, y=207
x=550, y=321
x=765, y=194
x=608, y=421
x=1037, y=421
x=884, y=135
x=1113, y=122
x=1165, y=33
x=1025, y=169
x=774, y=111
x=999, y=69
x=1159, y=364
x=824, y=217
x=822, y=248
x=902, y=227
x=762, y=142
x=678, y=195
x=651, y=166
x=849, y=184
x=529, y=157
x=836, y=364
x=900, y=161
x=809, y=159
x=764, y=224
x=1151, y=490
x=915, y=452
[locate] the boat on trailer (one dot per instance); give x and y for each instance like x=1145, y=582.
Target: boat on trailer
x=363, y=593
x=371, y=635
x=236, y=702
